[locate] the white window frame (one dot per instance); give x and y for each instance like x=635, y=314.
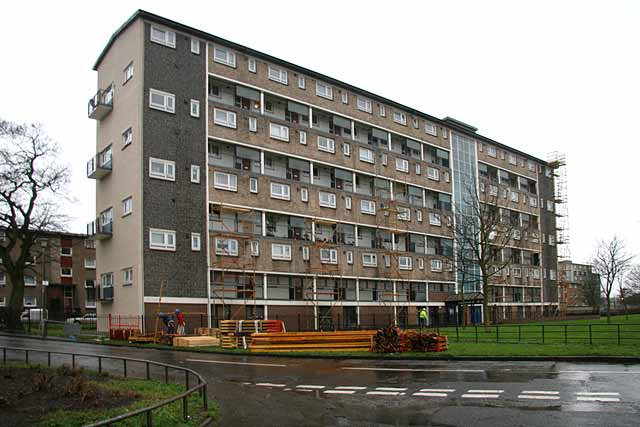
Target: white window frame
x=420, y=263
x=326, y=144
x=402, y=165
x=344, y=96
x=347, y=202
x=279, y=132
x=231, y=183
x=229, y=119
x=303, y=137
x=405, y=263
x=195, y=46
x=430, y=129
x=169, y=169
x=305, y=253
x=90, y=263
x=278, y=75
x=364, y=104
x=254, y=247
x=169, y=101
x=304, y=194
x=435, y=265
x=127, y=206
x=418, y=215
x=31, y=282
x=195, y=174
x=168, y=39
x=252, y=65
x=302, y=82
x=328, y=256
x=328, y=203
x=435, y=219
x=369, y=259
x=383, y=111
x=404, y=213
x=284, y=252
x=346, y=149
x=277, y=191
x=433, y=174
x=516, y=272
x=349, y=257
x=196, y=242
x=253, y=185
x=231, y=245
x=66, y=251
x=168, y=237
x=194, y=109
x=128, y=72
x=229, y=57
x=127, y=137
x=253, y=124
x=30, y=297
x=515, y=197
x=66, y=274
x=127, y=276
x=400, y=118
x=326, y=93
x=370, y=155
x=492, y=152
x=513, y=159
x=418, y=169
x=368, y=207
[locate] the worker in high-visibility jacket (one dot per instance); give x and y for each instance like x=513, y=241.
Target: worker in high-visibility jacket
x=424, y=318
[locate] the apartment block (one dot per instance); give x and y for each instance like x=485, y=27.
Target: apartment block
x=66, y=264
x=576, y=282
x=237, y=185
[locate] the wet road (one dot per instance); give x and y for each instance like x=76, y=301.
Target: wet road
x=280, y=391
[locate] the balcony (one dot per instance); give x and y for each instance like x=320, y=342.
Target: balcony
x=100, y=165
x=101, y=104
x=99, y=229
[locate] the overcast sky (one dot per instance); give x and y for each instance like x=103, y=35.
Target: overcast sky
x=538, y=76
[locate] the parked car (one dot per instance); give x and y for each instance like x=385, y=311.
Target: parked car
x=87, y=318
x=34, y=315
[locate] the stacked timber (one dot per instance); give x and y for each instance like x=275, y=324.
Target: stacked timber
x=201, y=341
x=311, y=341
x=238, y=333
x=212, y=332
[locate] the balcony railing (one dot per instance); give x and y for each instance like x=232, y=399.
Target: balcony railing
x=101, y=104
x=100, y=231
x=100, y=165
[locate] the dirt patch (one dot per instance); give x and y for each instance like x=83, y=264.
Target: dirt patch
x=27, y=394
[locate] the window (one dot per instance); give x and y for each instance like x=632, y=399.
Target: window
x=434, y=218
x=431, y=129
x=164, y=37
x=280, y=252
x=227, y=247
x=279, y=132
x=405, y=263
x=90, y=263
x=253, y=124
x=349, y=257
x=433, y=173
x=302, y=83
x=127, y=276
x=66, y=251
x=445, y=134
x=224, y=56
x=162, y=169
x=225, y=181
x=29, y=280
x=328, y=256
x=195, y=242
x=195, y=108
x=195, y=174
x=324, y=90
x=128, y=72
x=493, y=190
x=346, y=149
x=369, y=260
x=89, y=243
x=383, y=157
x=516, y=272
x=303, y=137
x=531, y=166
x=402, y=165
x=29, y=301
x=491, y=152
x=255, y=247
x=195, y=46
x=513, y=159
x=127, y=206
x=347, y=202
x=280, y=191
x=550, y=205
x=326, y=144
x=252, y=65
x=399, y=117
x=253, y=185
x=419, y=215
x=364, y=105
x=66, y=272
x=404, y=214
x=345, y=97
x=552, y=240
x=162, y=101
x=164, y=240
x=418, y=169
x=420, y=263
x=368, y=207
x=514, y=196
x=224, y=118
x=383, y=113
x=552, y=274
x=436, y=265
x=367, y=155
x=305, y=253
x=127, y=137
x=533, y=201
x=304, y=194
x=278, y=75
x=327, y=200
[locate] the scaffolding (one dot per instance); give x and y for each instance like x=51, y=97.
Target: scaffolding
x=236, y=261
x=557, y=161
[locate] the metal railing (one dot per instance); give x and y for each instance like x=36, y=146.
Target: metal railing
x=147, y=412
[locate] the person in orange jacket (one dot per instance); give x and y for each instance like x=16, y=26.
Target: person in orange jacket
x=180, y=321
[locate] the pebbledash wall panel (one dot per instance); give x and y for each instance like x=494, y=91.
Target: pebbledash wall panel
x=178, y=205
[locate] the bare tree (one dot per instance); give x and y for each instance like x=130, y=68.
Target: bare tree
x=480, y=234
x=589, y=291
x=33, y=183
x=611, y=261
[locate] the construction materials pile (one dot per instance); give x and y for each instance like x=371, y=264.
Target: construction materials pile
x=311, y=341
x=395, y=340
x=238, y=333
x=198, y=341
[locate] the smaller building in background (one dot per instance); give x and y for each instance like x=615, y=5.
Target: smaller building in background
x=66, y=264
x=579, y=288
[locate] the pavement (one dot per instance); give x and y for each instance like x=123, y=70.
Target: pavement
x=255, y=390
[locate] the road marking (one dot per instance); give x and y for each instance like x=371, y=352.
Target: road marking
x=315, y=387
x=383, y=393
x=539, y=392
x=223, y=362
x=538, y=397
x=350, y=387
x=390, y=389
x=430, y=394
x=270, y=385
x=585, y=393
x=306, y=390
x=485, y=391
x=481, y=396
x=598, y=399
x=287, y=389
x=339, y=391
x=599, y=372
x=413, y=370
x=438, y=390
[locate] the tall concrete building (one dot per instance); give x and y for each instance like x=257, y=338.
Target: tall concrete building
x=236, y=184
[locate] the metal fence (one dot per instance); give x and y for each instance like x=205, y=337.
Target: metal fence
x=147, y=412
